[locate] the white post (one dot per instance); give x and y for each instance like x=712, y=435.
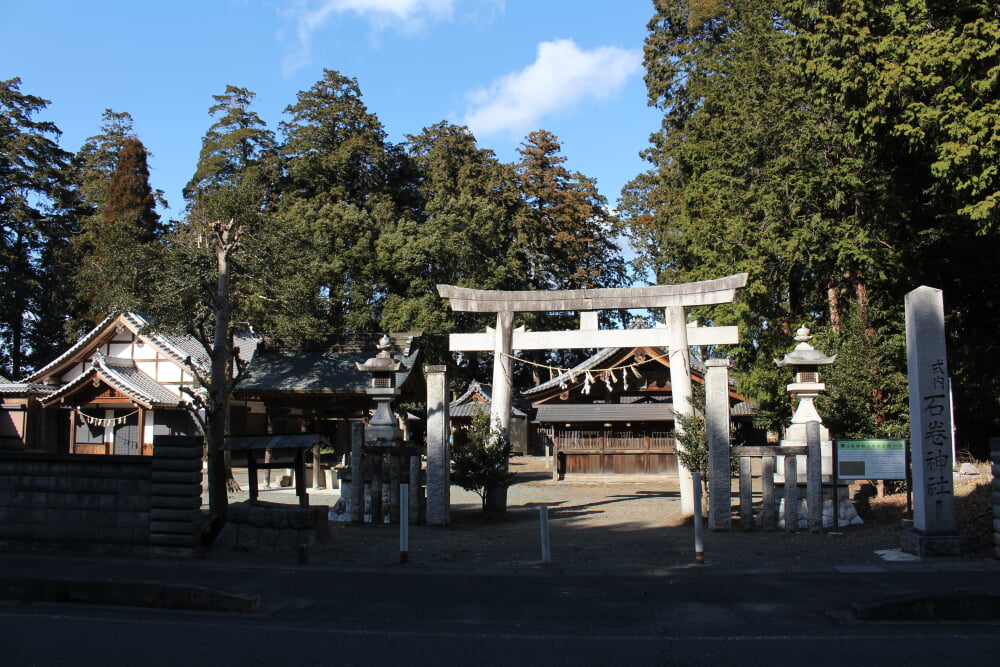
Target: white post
x=543, y=517
x=680, y=382
x=404, y=522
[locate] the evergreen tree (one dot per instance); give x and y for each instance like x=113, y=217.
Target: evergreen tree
x=340, y=190
x=236, y=147
x=118, y=244
x=814, y=146
x=566, y=234
x=94, y=164
x=32, y=190
x=460, y=233
x=566, y=239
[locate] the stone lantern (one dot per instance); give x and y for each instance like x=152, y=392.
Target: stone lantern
x=805, y=362
x=383, y=432
x=383, y=458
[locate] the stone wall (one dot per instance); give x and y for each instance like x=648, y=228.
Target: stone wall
x=75, y=501
x=273, y=528
x=126, y=504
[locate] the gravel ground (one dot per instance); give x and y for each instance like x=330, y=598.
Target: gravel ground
x=604, y=524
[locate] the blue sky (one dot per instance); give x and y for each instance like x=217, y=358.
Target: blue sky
x=504, y=68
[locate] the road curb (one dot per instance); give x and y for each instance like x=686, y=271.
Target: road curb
x=156, y=595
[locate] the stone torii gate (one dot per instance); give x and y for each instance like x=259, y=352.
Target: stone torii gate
x=673, y=335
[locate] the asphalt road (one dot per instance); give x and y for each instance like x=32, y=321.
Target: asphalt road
x=393, y=617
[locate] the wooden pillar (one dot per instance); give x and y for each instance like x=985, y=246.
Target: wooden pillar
x=300, y=478
x=252, y=473
x=140, y=427
x=73, y=415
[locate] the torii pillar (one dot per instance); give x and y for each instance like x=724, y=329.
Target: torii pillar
x=676, y=336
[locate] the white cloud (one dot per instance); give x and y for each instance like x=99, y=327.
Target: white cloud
x=561, y=77
x=311, y=16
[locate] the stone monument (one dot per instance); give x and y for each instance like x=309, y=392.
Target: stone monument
x=934, y=526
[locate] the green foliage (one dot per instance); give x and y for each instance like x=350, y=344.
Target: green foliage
x=692, y=436
x=867, y=392
x=340, y=191
x=33, y=231
x=237, y=147
x=565, y=231
x=480, y=459
x=840, y=153
x=117, y=248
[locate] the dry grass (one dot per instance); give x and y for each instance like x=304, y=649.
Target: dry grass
x=973, y=510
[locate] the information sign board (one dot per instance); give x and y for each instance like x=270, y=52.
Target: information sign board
x=871, y=459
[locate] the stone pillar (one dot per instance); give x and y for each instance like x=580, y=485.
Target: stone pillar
x=357, y=489
x=502, y=365
x=930, y=427
x=680, y=382
x=438, y=447
x=717, y=427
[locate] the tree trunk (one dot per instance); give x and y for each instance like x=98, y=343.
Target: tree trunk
x=220, y=381
x=833, y=301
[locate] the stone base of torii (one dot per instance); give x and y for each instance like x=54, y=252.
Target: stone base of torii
x=673, y=334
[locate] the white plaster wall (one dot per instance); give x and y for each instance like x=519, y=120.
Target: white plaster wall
x=120, y=349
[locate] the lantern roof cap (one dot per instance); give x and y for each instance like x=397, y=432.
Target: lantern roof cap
x=382, y=361
x=805, y=354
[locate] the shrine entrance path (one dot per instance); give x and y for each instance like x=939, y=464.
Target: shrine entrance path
x=600, y=524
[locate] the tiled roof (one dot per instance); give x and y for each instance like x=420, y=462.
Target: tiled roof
x=122, y=375
x=286, y=441
x=466, y=404
x=8, y=388
x=323, y=368
x=180, y=348
x=601, y=412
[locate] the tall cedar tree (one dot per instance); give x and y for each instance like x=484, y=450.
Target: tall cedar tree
x=236, y=147
x=118, y=245
x=130, y=198
x=458, y=234
x=341, y=188
x=566, y=238
x=32, y=190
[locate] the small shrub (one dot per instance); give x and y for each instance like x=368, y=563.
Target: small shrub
x=480, y=464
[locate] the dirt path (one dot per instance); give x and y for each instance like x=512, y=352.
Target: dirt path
x=604, y=524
